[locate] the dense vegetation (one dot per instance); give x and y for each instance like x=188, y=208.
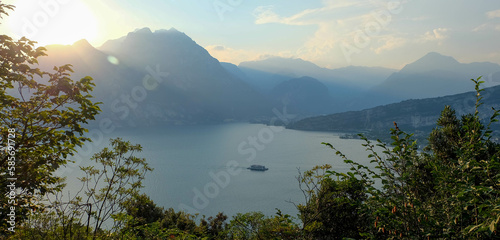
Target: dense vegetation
x=448, y=190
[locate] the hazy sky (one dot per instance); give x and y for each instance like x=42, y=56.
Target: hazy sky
x=330, y=33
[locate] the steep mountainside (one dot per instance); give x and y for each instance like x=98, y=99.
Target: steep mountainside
x=412, y=115
x=163, y=77
x=431, y=76
x=304, y=95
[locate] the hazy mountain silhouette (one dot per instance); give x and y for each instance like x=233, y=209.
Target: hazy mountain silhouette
x=161, y=78
x=352, y=76
x=346, y=85
x=164, y=77
x=433, y=75
x=262, y=81
x=87, y=61
x=413, y=116
x=304, y=95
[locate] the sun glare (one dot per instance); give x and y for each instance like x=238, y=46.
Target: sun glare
x=54, y=21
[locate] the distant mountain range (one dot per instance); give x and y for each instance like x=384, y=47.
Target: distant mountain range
x=353, y=76
x=413, y=116
x=164, y=77
x=345, y=84
x=356, y=88
x=161, y=78
x=433, y=75
x=304, y=95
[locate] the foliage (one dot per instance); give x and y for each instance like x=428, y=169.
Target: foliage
x=49, y=224
x=330, y=204
x=141, y=210
x=116, y=178
x=178, y=220
x=107, y=186
x=213, y=227
x=448, y=191
x=255, y=225
x=43, y=112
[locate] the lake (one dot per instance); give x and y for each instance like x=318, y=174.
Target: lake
x=202, y=169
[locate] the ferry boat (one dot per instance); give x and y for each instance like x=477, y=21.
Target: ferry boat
x=258, y=168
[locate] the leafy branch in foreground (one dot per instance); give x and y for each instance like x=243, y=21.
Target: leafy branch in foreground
x=41, y=114
x=450, y=190
x=116, y=178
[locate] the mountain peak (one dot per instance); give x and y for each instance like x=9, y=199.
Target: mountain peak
x=142, y=33
x=433, y=54
x=172, y=29
x=431, y=61
x=82, y=44
x=145, y=30
x=438, y=56
x=157, y=38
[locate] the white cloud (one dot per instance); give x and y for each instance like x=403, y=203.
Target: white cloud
x=339, y=22
x=342, y=27
x=389, y=43
x=493, y=14
x=437, y=34
x=441, y=33
x=217, y=48
x=487, y=27
x=236, y=56
x=481, y=27
x=340, y=3
x=226, y=54
x=265, y=14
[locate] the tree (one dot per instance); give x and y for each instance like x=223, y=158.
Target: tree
x=143, y=210
x=449, y=190
x=111, y=188
x=113, y=182
x=213, y=227
x=333, y=207
x=140, y=210
x=255, y=225
x=468, y=172
x=41, y=117
x=246, y=226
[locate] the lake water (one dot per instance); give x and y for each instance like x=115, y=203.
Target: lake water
x=202, y=169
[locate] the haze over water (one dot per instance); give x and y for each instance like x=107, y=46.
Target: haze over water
x=184, y=157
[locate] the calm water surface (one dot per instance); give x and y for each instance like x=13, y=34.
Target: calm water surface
x=202, y=169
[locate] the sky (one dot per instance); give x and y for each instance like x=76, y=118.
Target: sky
x=329, y=33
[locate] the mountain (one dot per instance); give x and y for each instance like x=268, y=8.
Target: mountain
x=292, y=67
x=346, y=85
x=434, y=61
x=356, y=88
x=412, y=116
x=352, y=76
x=433, y=75
x=161, y=77
x=262, y=81
x=86, y=61
x=233, y=69
x=303, y=95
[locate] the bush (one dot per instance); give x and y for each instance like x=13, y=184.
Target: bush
x=450, y=190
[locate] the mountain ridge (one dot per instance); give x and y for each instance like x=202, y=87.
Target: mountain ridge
x=196, y=87
x=417, y=116
x=186, y=84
